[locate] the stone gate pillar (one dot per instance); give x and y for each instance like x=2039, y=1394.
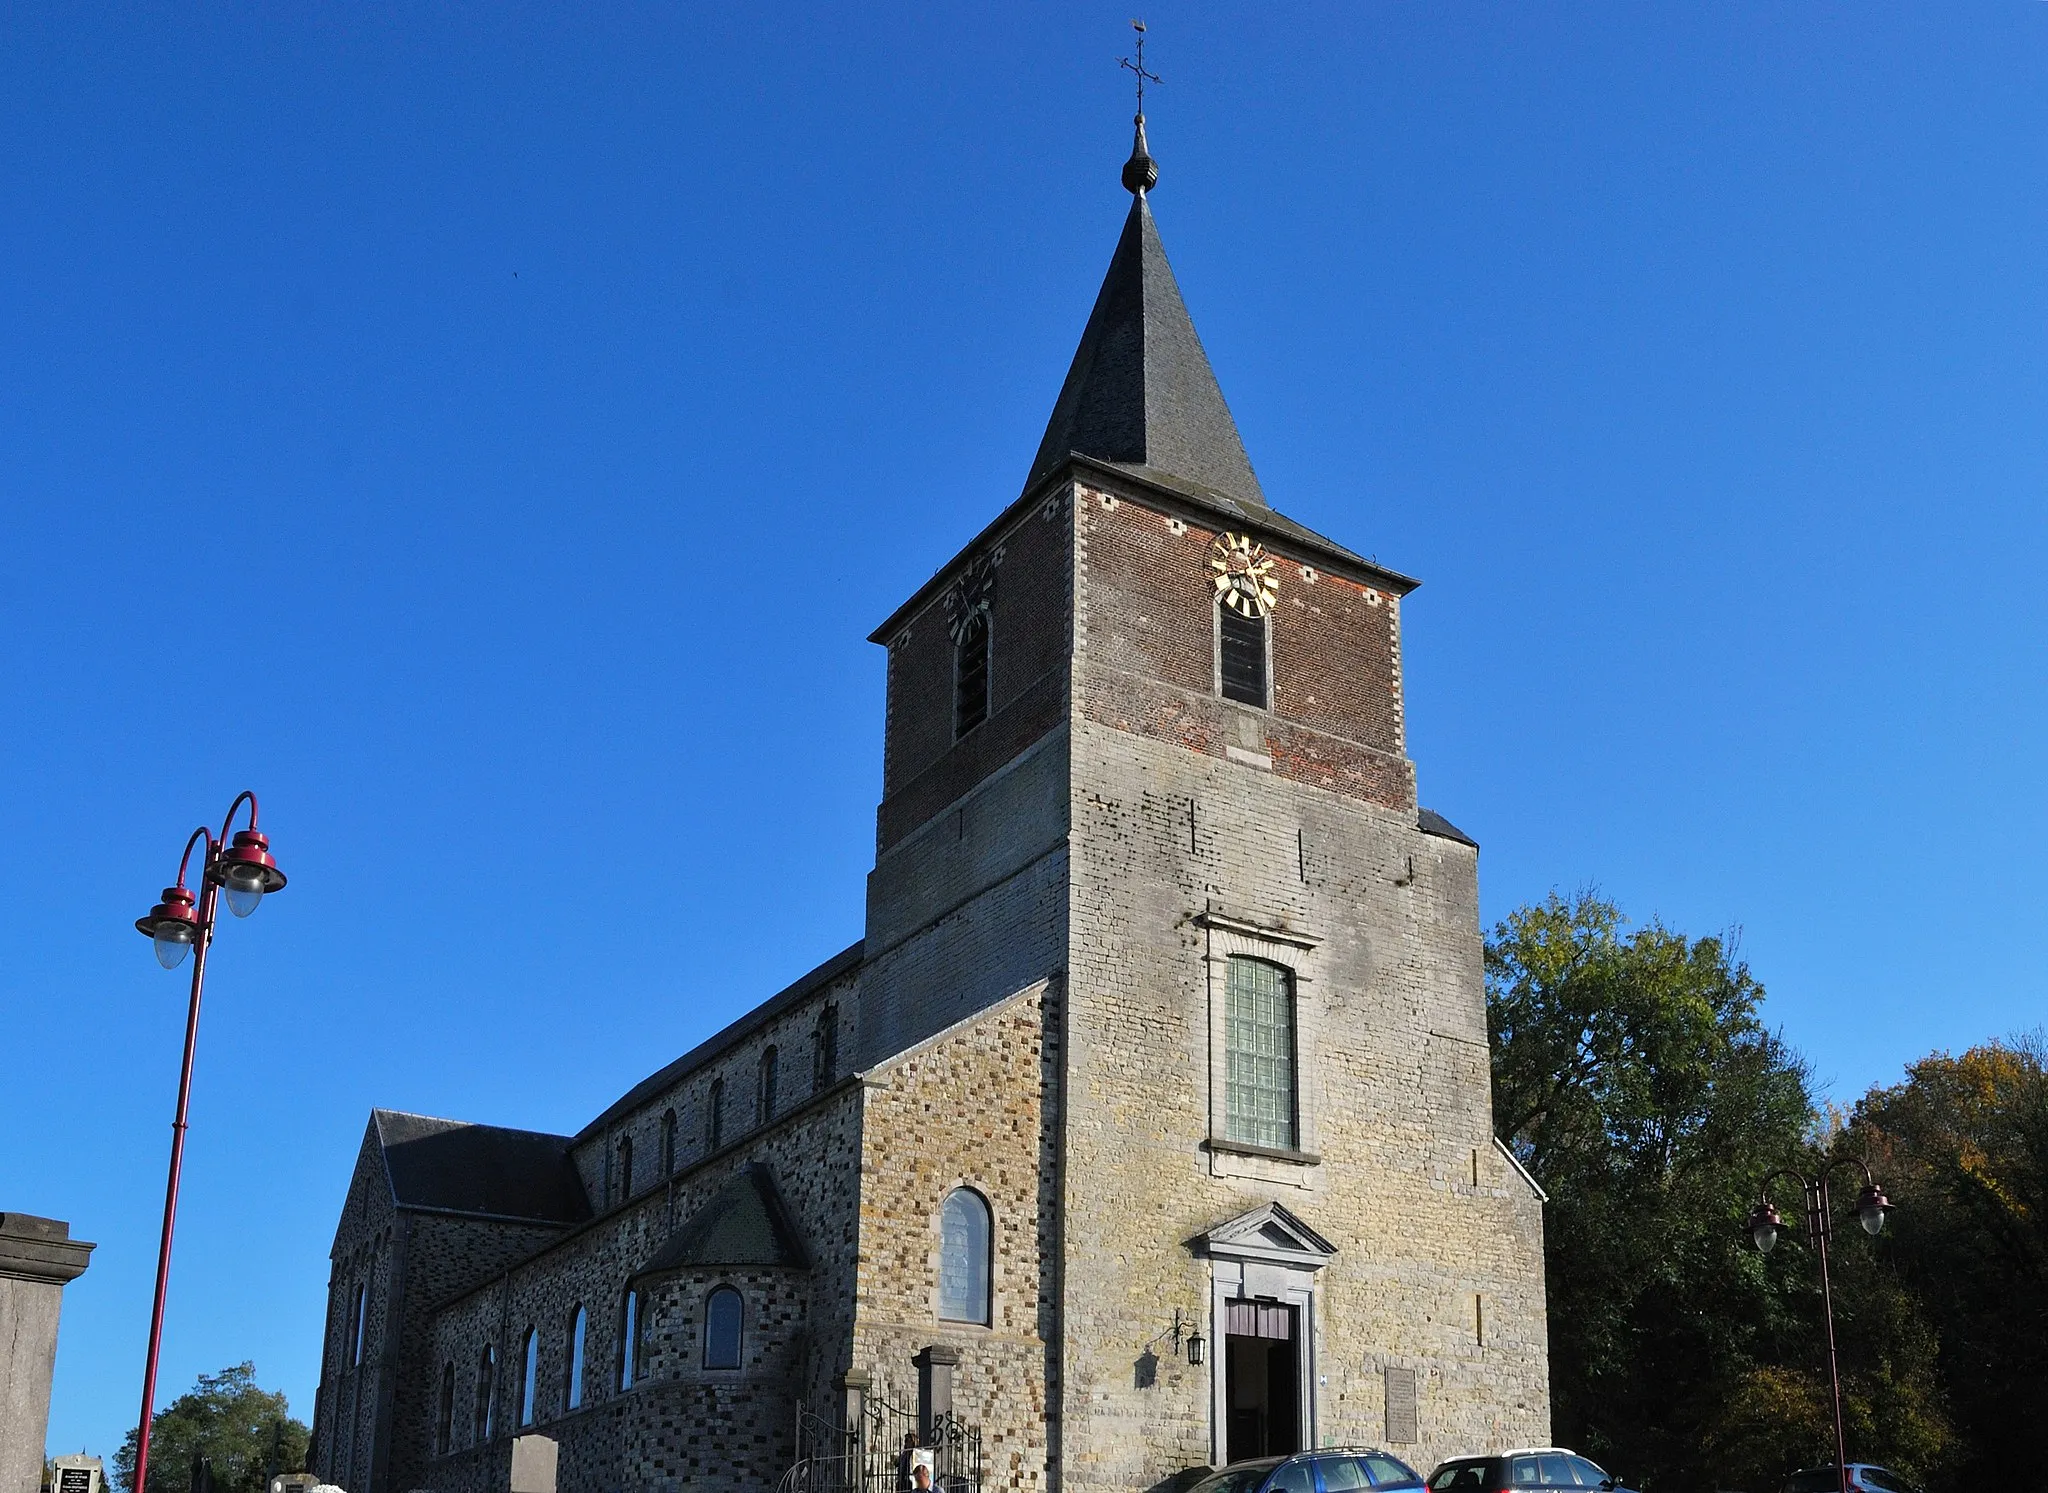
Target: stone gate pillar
x=37, y=1257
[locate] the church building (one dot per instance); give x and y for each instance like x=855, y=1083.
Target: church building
x=1146, y=1128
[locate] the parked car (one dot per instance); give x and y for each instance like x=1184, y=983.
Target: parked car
x=1524, y=1467
x=1863, y=1478
x=1331, y=1469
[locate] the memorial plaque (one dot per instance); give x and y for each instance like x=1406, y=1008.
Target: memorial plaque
x=75, y=1474
x=1400, y=1405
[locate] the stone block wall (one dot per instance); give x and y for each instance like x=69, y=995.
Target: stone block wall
x=975, y=1107
x=679, y=1425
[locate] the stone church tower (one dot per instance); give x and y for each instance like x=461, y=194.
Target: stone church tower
x=1148, y=1127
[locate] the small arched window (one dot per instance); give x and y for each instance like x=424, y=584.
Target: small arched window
x=572, y=1395
x=722, y=1329
x=444, y=1415
x=825, y=1048
x=970, y=674
x=486, y=1393
x=625, y=1167
x=770, y=1061
x=629, y=1339
x=963, y=1257
x=529, y=1377
x=714, y=1115
x=1241, y=655
x=668, y=1143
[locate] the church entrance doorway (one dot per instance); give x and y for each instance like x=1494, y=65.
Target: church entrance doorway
x=1262, y=1390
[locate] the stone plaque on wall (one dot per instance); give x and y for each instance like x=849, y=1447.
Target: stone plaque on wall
x=1400, y=1405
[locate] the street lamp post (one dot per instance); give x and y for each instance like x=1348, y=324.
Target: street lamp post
x=179, y=925
x=1764, y=1223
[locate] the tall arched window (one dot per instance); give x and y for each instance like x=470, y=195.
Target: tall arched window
x=486, y=1393
x=714, y=1115
x=770, y=1061
x=629, y=1339
x=1260, y=1104
x=362, y=1323
x=444, y=1415
x=529, y=1376
x=668, y=1143
x=963, y=1257
x=572, y=1394
x=1241, y=655
x=625, y=1167
x=970, y=673
x=722, y=1329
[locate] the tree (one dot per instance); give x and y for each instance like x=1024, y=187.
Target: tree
x=242, y=1430
x=1634, y=1078
x=1962, y=1145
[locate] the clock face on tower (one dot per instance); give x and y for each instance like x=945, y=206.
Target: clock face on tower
x=1243, y=575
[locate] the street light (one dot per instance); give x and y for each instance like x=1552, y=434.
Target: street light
x=178, y=925
x=1763, y=1226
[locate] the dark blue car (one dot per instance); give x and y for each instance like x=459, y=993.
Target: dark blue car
x=1331, y=1470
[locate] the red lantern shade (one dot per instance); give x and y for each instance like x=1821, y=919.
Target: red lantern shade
x=246, y=872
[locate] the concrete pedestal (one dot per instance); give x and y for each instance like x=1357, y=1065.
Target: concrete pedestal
x=37, y=1257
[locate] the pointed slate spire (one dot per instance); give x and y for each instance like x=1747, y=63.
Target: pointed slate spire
x=1140, y=392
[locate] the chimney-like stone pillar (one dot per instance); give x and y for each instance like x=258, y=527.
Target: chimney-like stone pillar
x=935, y=1385
x=37, y=1257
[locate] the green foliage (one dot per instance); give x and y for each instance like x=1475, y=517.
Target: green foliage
x=243, y=1430
x=1634, y=1077
x=1962, y=1147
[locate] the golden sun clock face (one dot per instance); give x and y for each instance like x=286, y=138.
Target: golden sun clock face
x=1243, y=575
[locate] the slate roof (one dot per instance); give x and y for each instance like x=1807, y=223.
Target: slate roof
x=744, y=1223
x=727, y=1037
x=1430, y=822
x=1141, y=397
x=452, y=1167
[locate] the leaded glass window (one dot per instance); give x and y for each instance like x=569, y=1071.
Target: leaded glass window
x=963, y=1257
x=573, y=1396
x=1259, y=1079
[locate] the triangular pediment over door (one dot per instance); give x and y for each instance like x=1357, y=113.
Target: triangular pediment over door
x=1268, y=1235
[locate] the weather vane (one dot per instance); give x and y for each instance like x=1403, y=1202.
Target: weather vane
x=1138, y=67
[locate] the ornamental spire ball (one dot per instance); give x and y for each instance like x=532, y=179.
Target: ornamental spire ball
x=1141, y=172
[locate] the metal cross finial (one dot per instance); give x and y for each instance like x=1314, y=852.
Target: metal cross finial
x=1138, y=66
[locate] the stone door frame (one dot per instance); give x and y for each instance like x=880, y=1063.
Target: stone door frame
x=1266, y=1253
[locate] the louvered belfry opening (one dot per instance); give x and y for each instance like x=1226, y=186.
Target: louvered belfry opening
x=970, y=675
x=1243, y=657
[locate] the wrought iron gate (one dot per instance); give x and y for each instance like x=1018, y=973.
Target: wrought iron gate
x=868, y=1456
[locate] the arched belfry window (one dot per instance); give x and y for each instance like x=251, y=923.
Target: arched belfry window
x=714, y=1115
x=964, y=1257
x=1260, y=1098
x=825, y=1048
x=1241, y=655
x=625, y=1167
x=970, y=672
x=668, y=1143
x=722, y=1329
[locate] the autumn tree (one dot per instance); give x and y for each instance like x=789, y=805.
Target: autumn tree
x=1635, y=1078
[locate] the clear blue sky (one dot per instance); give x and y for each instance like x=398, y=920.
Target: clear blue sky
x=491, y=432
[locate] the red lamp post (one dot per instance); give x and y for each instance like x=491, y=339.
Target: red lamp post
x=1763, y=1226
x=244, y=871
